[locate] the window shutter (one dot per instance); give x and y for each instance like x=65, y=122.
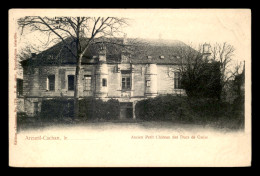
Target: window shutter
x=47, y=83
x=62, y=78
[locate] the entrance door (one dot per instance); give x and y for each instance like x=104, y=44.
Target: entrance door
x=35, y=107
x=126, y=110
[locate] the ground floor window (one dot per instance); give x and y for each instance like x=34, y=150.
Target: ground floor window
x=104, y=82
x=70, y=82
x=51, y=83
x=19, y=87
x=177, y=80
x=87, y=81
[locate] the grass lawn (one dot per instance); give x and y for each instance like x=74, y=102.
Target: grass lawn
x=221, y=124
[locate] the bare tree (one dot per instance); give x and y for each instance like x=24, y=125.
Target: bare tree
x=189, y=62
x=199, y=75
x=223, y=53
x=190, y=58
x=233, y=75
x=193, y=62
x=83, y=32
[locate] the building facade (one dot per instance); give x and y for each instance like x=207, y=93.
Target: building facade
x=128, y=79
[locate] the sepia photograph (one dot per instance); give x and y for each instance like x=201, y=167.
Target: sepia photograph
x=129, y=87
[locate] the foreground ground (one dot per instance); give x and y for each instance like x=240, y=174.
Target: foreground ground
x=134, y=143
x=158, y=125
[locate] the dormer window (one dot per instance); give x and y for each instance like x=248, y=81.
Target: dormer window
x=51, y=57
x=149, y=57
x=172, y=56
x=161, y=57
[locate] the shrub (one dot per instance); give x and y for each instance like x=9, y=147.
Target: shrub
x=21, y=117
x=160, y=108
x=112, y=108
x=86, y=108
x=184, y=109
x=202, y=80
x=91, y=108
x=56, y=108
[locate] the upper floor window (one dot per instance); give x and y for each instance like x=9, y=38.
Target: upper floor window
x=148, y=83
x=177, y=80
x=70, y=82
x=126, y=82
x=87, y=82
x=104, y=82
x=51, y=82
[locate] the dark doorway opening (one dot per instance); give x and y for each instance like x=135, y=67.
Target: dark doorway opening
x=126, y=110
x=36, y=108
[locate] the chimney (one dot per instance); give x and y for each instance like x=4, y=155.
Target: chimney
x=102, y=54
x=206, y=48
x=243, y=72
x=125, y=57
x=206, y=51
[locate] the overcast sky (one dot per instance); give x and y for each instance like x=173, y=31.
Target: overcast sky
x=189, y=26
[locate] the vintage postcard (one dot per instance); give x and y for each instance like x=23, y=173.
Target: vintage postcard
x=129, y=87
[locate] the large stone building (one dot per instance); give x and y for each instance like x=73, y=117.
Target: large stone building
x=105, y=74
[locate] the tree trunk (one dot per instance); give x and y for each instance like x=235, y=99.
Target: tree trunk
x=77, y=77
x=76, y=88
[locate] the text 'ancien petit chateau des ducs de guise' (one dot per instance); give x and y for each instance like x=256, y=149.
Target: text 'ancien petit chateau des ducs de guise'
x=169, y=137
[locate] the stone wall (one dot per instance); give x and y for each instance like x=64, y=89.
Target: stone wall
x=30, y=106
x=114, y=81
x=20, y=105
x=35, y=81
x=165, y=80
x=139, y=80
x=161, y=77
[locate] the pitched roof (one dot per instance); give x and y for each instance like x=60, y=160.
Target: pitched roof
x=160, y=52
x=147, y=51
